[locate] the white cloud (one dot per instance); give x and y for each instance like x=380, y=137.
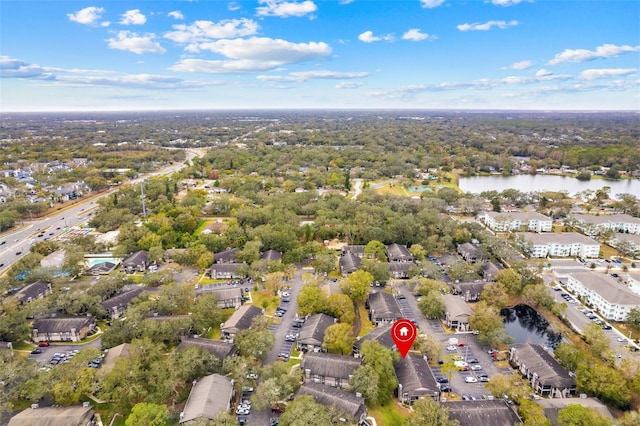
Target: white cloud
x=582, y=55
x=314, y=75
x=253, y=55
x=206, y=30
x=522, y=65
x=132, y=42
x=430, y=4
x=346, y=1
x=16, y=68
x=87, y=16
x=176, y=14
x=593, y=74
x=414, y=34
x=284, y=9
x=233, y=6
x=543, y=73
x=133, y=17
x=348, y=85
x=505, y=2
x=487, y=25
x=368, y=37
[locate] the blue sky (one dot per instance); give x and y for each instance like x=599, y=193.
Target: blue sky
x=428, y=54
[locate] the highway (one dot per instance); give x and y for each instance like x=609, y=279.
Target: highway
x=17, y=242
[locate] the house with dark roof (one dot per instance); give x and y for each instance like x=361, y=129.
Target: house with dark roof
x=347, y=403
x=209, y=397
x=399, y=270
x=221, y=271
x=494, y=412
x=546, y=376
x=381, y=334
x=33, y=291
x=470, y=291
x=329, y=369
x=271, y=256
x=55, y=416
x=383, y=308
x=102, y=268
x=349, y=263
x=118, y=304
x=227, y=297
x=239, y=320
x=469, y=252
x=62, y=329
x=112, y=356
x=415, y=379
x=398, y=253
x=488, y=270
x=137, y=262
x=217, y=348
x=457, y=312
x=553, y=406
x=357, y=250
x=227, y=256
x=312, y=332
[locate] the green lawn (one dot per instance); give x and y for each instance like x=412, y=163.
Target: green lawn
x=366, y=325
x=389, y=415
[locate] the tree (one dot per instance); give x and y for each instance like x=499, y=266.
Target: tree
x=311, y=300
x=510, y=279
x=356, y=285
x=598, y=342
x=577, y=415
x=428, y=345
x=147, y=414
x=257, y=340
x=206, y=313
x=339, y=339
x=633, y=318
x=532, y=414
x=418, y=252
x=495, y=295
x=340, y=306
x=376, y=250
x=375, y=378
x=508, y=384
x=429, y=412
x=305, y=411
x=488, y=321
x=431, y=305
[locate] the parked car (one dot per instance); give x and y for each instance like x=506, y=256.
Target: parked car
x=277, y=409
x=36, y=351
x=472, y=361
x=476, y=367
x=470, y=379
x=283, y=356
x=451, y=348
x=243, y=412
x=606, y=327
x=43, y=344
x=247, y=389
x=445, y=388
x=442, y=380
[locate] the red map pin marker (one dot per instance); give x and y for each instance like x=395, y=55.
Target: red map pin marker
x=404, y=332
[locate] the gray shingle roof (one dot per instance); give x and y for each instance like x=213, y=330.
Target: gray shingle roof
x=415, y=376
x=607, y=287
x=61, y=324
x=217, y=348
x=344, y=401
x=226, y=256
x=456, y=306
x=312, y=331
x=210, y=396
x=122, y=299
x=330, y=365
x=482, y=412
x=136, y=258
x=271, y=255
x=384, y=306
x=398, y=253
x=241, y=318
x=53, y=416
x=381, y=335
x=349, y=263
x=32, y=291
x=539, y=361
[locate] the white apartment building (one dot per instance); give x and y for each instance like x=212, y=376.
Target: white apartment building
x=517, y=221
x=591, y=224
x=566, y=244
x=612, y=299
x=633, y=281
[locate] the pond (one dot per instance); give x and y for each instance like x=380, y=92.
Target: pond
x=534, y=183
x=526, y=325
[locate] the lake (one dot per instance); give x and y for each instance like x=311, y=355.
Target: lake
x=526, y=325
x=535, y=183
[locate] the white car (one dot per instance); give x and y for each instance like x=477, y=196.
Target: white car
x=470, y=379
x=460, y=364
x=243, y=411
x=622, y=339
x=451, y=348
x=476, y=367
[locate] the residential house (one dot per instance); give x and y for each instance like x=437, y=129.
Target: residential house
x=217, y=348
x=517, y=221
x=400, y=270
x=357, y=250
x=457, y=312
x=329, y=369
x=209, y=397
x=117, y=305
x=470, y=291
x=380, y=334
x=347, y=403
x=222, y=271
x=62, y=329
x=470, y=253
x=33, y=291
x=545, y=375
x=312, y=332
x=112, y=356
x=489, y=270
x=137, y=262
x=495, y=412
x=102, y=268
x=227, y=297
x=383, y=308
x=55, y=416
x=398, y=253
x=553, y=406
x=566, y=244
x=349, y=263
x=415, y=379
x=227, y=256
x=239, y=320
x=217, y=228
x=271, y=256
x=612, y=299
x=593, y=225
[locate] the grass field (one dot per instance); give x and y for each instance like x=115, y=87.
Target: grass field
x=366, y=325
x=389, y=415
